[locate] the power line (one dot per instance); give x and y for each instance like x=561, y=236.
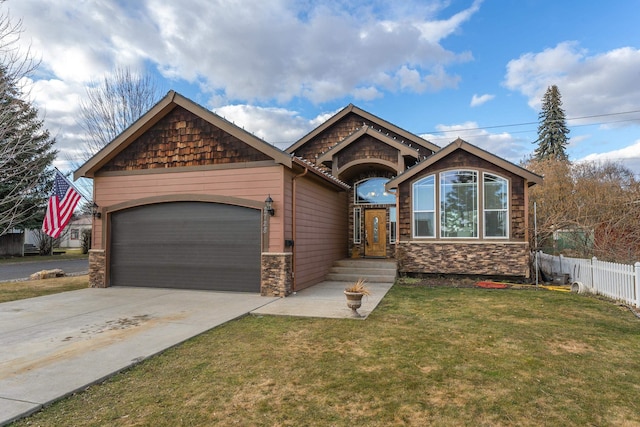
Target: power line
x=535, y=123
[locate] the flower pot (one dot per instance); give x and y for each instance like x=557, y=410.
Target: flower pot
x=354, y=302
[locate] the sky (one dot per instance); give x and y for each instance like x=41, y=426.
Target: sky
x=440, y=69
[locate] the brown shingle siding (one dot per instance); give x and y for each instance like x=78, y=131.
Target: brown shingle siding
x=183, y=139
x=338, y=132
x=367, y=147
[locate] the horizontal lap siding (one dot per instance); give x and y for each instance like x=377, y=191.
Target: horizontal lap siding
x=321, y=231
x=251, y=184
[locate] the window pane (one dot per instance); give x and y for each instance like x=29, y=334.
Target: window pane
x=459, y=204
x=496, y=206
x=372, y=191
x=495, y=223
x=392, y=225
x=495, y=192
x=424, y=224
x=356, y=225
x=423, y=193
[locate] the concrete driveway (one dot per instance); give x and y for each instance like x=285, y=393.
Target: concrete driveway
x=54, y=345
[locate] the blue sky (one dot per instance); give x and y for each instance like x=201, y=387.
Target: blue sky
x=440, y=69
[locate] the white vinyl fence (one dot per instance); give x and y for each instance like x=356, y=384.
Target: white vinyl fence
x=617, y=281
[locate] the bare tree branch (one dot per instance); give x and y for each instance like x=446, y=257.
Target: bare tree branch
x=112, y=105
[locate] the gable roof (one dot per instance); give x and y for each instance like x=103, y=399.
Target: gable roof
x=159, y=111
x=460, y=144
x=368, y=130
x=368, y=116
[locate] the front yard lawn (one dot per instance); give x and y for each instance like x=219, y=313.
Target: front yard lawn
x=426, y=356
x=11, y=291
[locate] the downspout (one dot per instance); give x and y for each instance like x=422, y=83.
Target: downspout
x=293, y=228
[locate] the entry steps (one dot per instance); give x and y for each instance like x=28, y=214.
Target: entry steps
x=372, y=270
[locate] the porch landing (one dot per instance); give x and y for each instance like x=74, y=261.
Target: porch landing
x=326, y=299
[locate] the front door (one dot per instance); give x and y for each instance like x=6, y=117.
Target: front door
x=375, y=232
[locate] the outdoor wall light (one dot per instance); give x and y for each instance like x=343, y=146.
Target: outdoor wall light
x=268, y=205
x=95, y=211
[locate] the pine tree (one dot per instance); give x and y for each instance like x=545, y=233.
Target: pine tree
x=26, y=148
x=552, y=130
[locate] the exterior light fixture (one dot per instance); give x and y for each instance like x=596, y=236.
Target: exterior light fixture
x=268, y=205
x=95, y=211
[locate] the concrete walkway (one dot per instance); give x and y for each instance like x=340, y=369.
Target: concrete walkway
x=325, y=299
x=55, y=345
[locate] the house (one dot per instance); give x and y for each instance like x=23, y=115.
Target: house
x=72, y=235
x=188, y=199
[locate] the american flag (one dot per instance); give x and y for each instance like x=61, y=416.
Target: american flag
x=60, y=207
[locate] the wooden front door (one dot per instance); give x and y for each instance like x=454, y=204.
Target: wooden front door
x=375, y=229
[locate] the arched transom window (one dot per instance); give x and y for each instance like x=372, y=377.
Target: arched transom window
x=371, y=191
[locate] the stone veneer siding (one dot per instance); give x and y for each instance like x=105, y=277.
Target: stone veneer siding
x=482, y=258
x=276, y=274
x=97, y=268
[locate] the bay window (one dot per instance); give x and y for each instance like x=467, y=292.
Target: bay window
x=468, y=204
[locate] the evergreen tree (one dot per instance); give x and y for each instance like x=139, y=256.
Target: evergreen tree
x=552, y=130
x=26, y=148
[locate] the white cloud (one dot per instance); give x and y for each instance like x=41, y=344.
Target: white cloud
x=479, y=100
x=502, y=144
x=271, y=50
x=590, y=84
x=628, y=156
x=278, y=126
x=437, y=30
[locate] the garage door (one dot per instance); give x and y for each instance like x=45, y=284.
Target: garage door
x=189, y=245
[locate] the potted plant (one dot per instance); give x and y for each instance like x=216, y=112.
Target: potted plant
x=354, y=294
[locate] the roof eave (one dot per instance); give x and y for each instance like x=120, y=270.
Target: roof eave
x=161, y=109
x=529, y=176
x=155, y=114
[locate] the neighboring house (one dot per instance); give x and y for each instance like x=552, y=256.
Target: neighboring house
x=71, y=237
x=183, y=197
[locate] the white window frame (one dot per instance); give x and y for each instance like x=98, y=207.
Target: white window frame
x=485, y=210
x=393, y=232
x=414, y=210
x=357, y=225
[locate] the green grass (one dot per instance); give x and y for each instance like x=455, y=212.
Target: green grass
x=69, y=254
x=11, y=291
x=425, y=356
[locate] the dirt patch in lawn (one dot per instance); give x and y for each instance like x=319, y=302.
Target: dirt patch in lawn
x=453, y=281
